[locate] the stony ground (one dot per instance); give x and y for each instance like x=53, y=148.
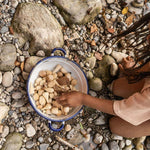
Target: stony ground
x=24, y=129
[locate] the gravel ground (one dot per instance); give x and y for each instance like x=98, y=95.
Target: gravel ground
x=80, y=41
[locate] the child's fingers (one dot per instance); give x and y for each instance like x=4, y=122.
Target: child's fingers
x=63, y=103
x=121, y=67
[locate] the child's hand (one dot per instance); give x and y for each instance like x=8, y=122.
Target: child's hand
x=71, y=99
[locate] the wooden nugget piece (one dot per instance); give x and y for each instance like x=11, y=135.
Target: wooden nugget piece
x=63, y=81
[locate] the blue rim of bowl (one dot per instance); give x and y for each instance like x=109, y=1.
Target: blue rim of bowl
x=50, y=57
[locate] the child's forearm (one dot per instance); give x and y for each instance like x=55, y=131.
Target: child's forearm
x=103, y=105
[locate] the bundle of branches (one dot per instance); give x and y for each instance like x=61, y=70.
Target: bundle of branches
x=140, y=32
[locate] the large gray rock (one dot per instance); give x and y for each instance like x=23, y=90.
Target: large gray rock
x=78, y=11
x=103, y=71
x=13, y=142
x=7, y=57
x=34, y=22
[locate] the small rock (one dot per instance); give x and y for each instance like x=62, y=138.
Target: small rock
x=40, y=53
x=7, y=57
x=128, y=142
x=44, y=146
x=21, y=58
x=118, y=56
x=113, y=69
x=104, y=147
x=103, y=70
x=30, y=63
x=55, y=146
x=30, y=130
x=19, y=103
x=116, y=137
x=0, y=77
x=41, y=139
x=95, y=84
x=5, y=131
x=122, y=144
x=1, y=128
x=7, y=79
x=89, y=75
x=67, y=127
x=4, y=30
x=17, y=95
x=3, y=111
x=92, y=93
x=129, y=147
x=17, y=70
x=113, y=145
x=29, y=144
x=98, y=138
x=25, y=75
x=91, y=61
x=100, y=121
x=14, y=3
x=110, y=1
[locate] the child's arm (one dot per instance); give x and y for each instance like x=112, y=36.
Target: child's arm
x=74, y=99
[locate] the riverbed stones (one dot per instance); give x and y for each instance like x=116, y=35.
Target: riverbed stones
x=7, y=57
x=7, y=79
x=78, y=11
x=103, y=71
x=41, y=29
x=13, y=142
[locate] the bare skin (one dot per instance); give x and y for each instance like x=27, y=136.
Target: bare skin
x=117, y=125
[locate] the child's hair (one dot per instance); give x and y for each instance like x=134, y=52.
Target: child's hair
x=140, y=30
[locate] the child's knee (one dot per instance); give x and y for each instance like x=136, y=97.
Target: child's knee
x=113, y=124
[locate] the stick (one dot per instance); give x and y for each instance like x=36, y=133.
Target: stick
x=67, y=143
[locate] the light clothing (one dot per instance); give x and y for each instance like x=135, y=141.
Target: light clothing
x=136, y=108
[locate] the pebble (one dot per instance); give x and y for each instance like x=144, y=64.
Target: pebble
x=44, y=146
x=4, y=30
x=21, y=58
x=7, y=79
x=116, y=137
x=30, y=130
x=14, y=3
x=67, y=127
x=98, y=138
x=5, y=131
x=128, y=142
x=17, y=70
x=40, y=53
x=29, y=144
x=110, y=1
x=113, y=145
x=122, y=144
x=104, y=147
x=92, y=93
x=0, y=77
x=1, y=128
x=41, y=139
x=55, y=146
x=17, y=95
x=100, y=121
